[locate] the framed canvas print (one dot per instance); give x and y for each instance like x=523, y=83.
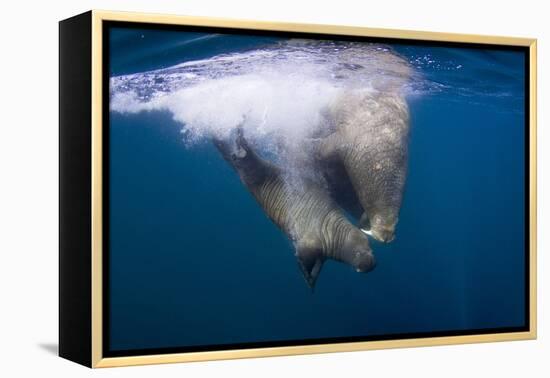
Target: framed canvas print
x=235, y=189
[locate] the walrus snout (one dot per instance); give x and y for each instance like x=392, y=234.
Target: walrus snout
x=364, y=262
x=381, y=228
x=384, y=234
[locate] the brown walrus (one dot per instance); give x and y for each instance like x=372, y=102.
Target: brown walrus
x=305, y=213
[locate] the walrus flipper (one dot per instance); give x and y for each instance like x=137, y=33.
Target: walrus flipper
x=250, y=166
x=310, y=259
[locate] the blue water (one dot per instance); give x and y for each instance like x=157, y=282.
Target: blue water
x=194, y=260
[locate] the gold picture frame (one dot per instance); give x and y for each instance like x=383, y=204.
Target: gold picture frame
x=94, y=21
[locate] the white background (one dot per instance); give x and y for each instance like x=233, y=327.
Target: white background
x=29, y=189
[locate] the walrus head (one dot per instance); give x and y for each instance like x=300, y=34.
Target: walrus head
x=354, y=251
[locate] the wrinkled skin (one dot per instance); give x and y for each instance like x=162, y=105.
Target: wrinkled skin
x=370, y=142
x=305, y=213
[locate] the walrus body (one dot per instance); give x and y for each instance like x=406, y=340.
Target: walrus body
x=370, y=142
x=305, y=213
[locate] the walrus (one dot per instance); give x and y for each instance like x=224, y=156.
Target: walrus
x=369, y=140
x=305, y=213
